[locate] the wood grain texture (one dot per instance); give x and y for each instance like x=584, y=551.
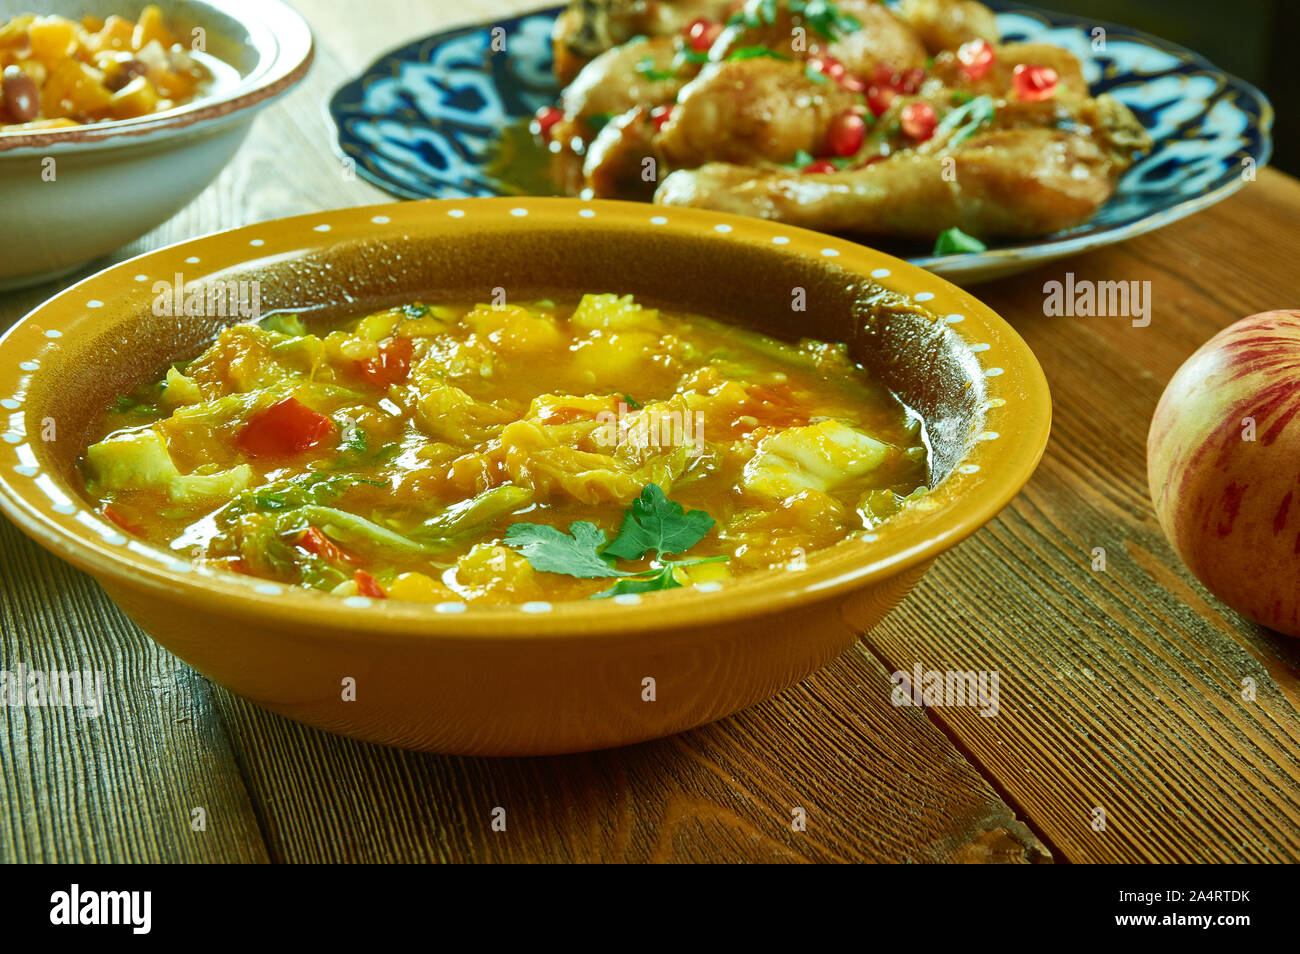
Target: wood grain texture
x=1120, y=690
x=877, y=783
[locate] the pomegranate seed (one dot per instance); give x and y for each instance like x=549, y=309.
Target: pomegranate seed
x=831, y=67
x=1033, y=84
x=911, y=81
x=918, y=121
x=545, y=119
x=821, y=167
x=976, y=58
x=879, y=98
x=846, y=134
x=661, y=115
x=701, y=34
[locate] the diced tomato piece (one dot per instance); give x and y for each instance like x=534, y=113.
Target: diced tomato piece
x=847, y=132
x=545, y=119
x=314, y=541
x=821, y=167
x=830, y=66
x=661, y=115
x=390, y=366
x=918, y=121
x=368, y=586
x=1034, y=84
x=976, y=58
x=879, y=99
x=111, y=514
x=701, y=33
x=285, y=428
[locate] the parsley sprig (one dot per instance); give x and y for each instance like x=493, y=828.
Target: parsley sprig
x=652, y=525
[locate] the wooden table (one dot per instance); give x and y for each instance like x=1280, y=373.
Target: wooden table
x=1120, y=690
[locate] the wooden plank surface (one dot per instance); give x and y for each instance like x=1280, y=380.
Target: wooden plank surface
x=1120, y=689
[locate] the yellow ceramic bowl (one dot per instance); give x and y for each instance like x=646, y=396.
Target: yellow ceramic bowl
x=538, y=678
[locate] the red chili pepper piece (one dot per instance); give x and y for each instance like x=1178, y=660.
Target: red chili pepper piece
x=368, y=586
x=314, y=541
x=114, y=516
x=286, y=428
x=390, y=366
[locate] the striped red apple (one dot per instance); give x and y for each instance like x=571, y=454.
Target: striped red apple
x=1223, y=465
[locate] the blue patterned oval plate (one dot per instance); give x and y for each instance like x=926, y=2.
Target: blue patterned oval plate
x=434, y=118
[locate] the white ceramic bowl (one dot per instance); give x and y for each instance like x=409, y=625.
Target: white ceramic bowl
x=69, y=195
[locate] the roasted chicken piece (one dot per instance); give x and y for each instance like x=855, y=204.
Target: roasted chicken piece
x=1035, y=168
x=747, y=111
x=863, y=35
x=947, y=24
x=1011, y=183
x=639, y=73
x=590, y=27
x=840, y=115
x=623, y=161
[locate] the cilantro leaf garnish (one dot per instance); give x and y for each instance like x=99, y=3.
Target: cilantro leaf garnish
x=965, y=120
x=662, y=579
x=954, y=241
x=655, y=523
x=646, y=67
x=755, y=52
x=826, y=18
x=551, y=550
